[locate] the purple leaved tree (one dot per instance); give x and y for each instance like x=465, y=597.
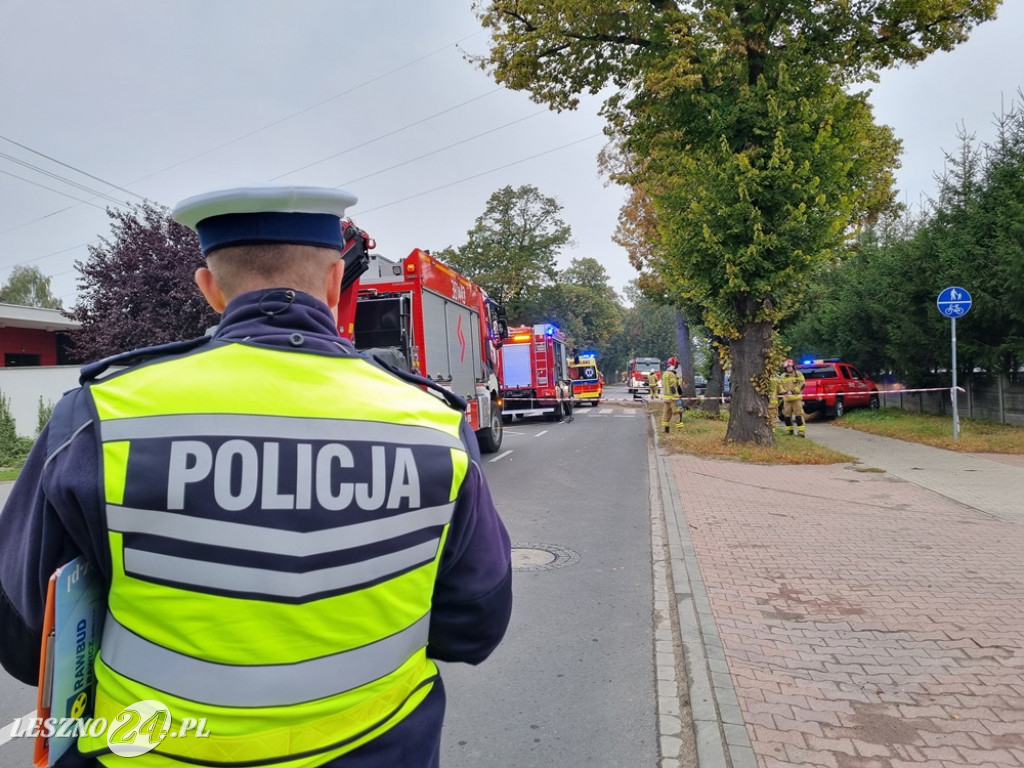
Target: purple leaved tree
x=136, y=288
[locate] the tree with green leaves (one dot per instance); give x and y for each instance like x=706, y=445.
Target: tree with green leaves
x=648, y=329
x=847, y=310
x=582, y=303
x=637, y=231
x=136, y=289
x=975, y=238
x=743, y=121
x=877, y=308
x=29, y=287
x=513, y=248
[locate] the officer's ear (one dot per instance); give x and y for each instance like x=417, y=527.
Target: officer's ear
x=211, y=289
x=332, y=289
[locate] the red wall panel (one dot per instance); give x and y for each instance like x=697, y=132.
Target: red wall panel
x=29, y=341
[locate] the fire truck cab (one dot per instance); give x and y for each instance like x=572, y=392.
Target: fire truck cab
x=535, y=364
x=420, y=315
x=638, y=373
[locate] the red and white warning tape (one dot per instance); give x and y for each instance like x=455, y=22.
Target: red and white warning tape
x=725, y=398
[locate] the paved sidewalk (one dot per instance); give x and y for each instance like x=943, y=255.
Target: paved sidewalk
x=858, y=619
x=991, y=485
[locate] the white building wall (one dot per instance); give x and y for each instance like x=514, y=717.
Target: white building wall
x=24, y=386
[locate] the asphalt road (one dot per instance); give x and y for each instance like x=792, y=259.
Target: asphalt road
x=16, y=700
x=573, y=683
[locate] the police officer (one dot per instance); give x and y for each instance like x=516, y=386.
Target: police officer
x=289, y=534
x=789, y=387
x=671, y=393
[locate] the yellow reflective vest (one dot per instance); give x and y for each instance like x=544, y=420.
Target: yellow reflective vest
x=274, y=551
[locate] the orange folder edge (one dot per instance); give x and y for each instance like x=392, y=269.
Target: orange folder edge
x=41, y=750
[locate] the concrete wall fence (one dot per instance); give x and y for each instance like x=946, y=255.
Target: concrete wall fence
x=986, y=398
x=23, y=386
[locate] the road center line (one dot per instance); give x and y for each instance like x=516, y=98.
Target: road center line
x=542, y=432
x=500, y=456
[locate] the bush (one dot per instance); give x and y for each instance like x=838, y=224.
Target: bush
x=43, y=415
x=13, y=449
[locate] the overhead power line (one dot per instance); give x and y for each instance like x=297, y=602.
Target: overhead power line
x=482, y=173
x=354, y=88
x=310, y=108
x=48, y=189
x=441, y=149
x=72, y=168
x=58, y=177
x=386, y=135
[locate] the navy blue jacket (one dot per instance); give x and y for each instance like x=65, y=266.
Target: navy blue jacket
x=55, y=513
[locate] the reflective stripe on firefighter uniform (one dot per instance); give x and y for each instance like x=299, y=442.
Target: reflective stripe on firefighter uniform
x=272, y=573
x=791, y=382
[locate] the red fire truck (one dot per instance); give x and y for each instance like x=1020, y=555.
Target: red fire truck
x=536, y=373
x=420, y=315
x=638, y=372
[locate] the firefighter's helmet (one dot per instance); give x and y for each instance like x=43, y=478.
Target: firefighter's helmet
x=673, y=362
x=788, y=362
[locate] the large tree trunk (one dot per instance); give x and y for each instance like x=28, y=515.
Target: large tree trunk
x=685, y=354
x=716, y=381
x=748, y=409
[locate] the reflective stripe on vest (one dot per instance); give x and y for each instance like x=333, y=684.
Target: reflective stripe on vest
x=226, y=685
x=270, y=427
x=274, y=548
x=221, y=577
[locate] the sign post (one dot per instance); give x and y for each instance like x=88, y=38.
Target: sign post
x=954, y=302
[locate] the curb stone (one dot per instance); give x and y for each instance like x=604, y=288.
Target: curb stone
x=719, y=731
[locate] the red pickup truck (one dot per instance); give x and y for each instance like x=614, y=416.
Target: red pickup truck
x=832, y=386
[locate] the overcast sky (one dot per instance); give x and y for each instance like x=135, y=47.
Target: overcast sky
x=168, y=98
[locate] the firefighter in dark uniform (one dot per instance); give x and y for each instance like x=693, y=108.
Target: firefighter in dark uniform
x=288, y=533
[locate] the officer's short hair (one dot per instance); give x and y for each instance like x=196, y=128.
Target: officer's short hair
x=279, y=265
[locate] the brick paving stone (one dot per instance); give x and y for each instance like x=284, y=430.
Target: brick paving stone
x=774, y=735
x=831, y=745
x=1009, y=741
x=948, y=739
x=861, y=762
x=865, y=598
x=869, y=749
x=996, y=756
x=802, y=726
x=812, y=757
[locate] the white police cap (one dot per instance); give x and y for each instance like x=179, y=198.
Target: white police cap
x=254, y=215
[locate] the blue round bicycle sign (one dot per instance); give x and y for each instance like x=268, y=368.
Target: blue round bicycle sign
x=954, y=302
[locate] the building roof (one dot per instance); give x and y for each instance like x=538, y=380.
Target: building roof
x=16, y=316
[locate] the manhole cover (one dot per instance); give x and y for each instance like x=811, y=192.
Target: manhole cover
x=541, y=557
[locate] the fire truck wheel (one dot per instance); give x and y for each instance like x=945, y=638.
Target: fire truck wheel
x=490, y=436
